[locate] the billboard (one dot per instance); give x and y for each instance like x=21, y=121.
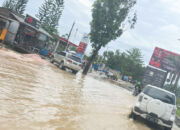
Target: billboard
x=32, y=21
x=161, y=59
x=83, y=44
x=154, y=76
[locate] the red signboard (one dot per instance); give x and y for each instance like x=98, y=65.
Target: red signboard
x=162, y=59
x=64, y=42
x=32, y=21
x=82, y=48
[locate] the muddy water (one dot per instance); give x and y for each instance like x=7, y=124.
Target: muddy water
x=36, y=96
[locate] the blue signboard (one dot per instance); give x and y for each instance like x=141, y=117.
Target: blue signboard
x=79, y=55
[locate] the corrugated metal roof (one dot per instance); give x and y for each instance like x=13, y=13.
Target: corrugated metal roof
x=6, y=18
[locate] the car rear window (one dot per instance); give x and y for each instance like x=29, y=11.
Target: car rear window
x=75, y=58
x=159, y=94
x=62, y=53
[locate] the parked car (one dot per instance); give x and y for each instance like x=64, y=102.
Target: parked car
x=112, y=76
x=125, y=78
x=156, y=105
x=67, y=60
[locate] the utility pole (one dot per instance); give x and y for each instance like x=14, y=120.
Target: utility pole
x=75, y=34
x=69, y=37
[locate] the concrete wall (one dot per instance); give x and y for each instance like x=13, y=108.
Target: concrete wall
x=12, y=31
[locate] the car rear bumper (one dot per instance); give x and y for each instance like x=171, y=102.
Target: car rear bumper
x=162, y=122
x=72, y=66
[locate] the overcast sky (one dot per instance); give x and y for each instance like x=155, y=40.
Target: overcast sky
x=158, y=24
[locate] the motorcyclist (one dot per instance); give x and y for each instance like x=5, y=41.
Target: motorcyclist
x=137, y=88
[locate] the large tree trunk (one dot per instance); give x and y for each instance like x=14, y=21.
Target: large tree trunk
x=95, y=52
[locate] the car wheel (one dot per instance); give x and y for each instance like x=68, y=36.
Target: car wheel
x=74, y=71
x=52, y=60
x=167, y=128
x=61, y=66
x=133, y=116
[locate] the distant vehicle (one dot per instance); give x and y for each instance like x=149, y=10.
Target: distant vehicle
x=133, y=81
x=67, y=60
x=125, y=78
x=112, y=76
x=156, y=105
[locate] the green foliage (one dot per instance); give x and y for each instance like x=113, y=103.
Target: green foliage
x=176, y=61
x=128, y=63
x=20, y=6
x=72, y=48
x=65, y=36
x=109, y=18
x=52, y=31
x=178, y=101
x=49, y=15
x=135, y=55
x=178, y=104
x=173, y=89
x=16, y=5
x=178, y=112
x=9, y=4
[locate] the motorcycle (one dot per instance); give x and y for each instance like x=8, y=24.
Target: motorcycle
x=136, y=91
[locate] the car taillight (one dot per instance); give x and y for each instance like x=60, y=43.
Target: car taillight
x=70, y=61
x=174, y=111
x=140, y=98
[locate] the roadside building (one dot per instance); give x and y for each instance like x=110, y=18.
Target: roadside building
x=24, y=32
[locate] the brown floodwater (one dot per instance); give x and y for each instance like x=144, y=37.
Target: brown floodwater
x=35, y=95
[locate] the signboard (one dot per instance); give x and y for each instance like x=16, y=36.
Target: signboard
x=82, y=48
x=154, y=76
x=79, y=55
x=162, y=59
x=85, y=38
x=32, y=21
x=83, y=44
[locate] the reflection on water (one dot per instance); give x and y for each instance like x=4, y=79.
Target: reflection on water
x=40, y=96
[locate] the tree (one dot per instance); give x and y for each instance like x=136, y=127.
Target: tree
x=176, y=61
x=135, y=55
x=49, y=15
x=128, y=63
x=110, y=18
x=16, y=5
x=8, y=4
x=20, y=6
x=171, y=88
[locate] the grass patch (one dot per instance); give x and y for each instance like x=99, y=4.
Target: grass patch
x=178, y=101
x=178, y=112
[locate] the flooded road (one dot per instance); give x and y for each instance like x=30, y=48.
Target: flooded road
x=37, y=96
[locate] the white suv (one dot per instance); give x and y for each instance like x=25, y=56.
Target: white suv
x=156, y=105
x=67, y=60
